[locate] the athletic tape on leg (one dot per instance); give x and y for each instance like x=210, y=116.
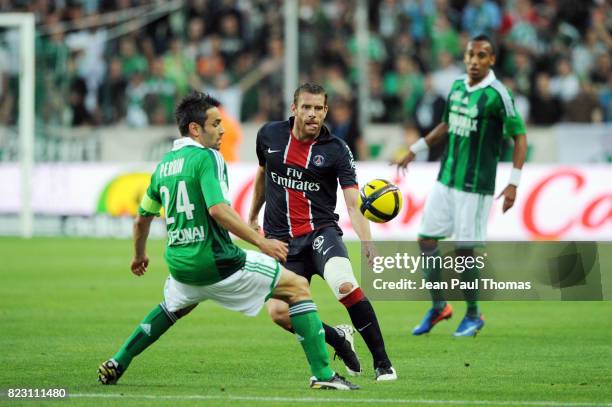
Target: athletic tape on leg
x=338, y=271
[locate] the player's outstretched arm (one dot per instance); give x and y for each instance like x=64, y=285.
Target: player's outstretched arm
x=359, y=222
x=141, y=228
x=259, y=197
x=519, y=156
x=228, y=218
x=434, y=137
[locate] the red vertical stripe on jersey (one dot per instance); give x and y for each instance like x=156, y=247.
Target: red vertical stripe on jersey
x=298, y=152
x=298, y=206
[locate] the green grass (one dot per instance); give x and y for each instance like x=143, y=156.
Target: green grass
x=68, y=304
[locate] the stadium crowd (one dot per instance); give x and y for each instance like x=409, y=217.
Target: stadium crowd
x=102, y=62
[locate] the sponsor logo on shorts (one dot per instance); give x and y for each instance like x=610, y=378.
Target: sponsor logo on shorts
x=318, y=243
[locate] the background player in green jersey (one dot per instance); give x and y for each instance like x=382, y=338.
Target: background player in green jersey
x=204, y=264
x=479, y=116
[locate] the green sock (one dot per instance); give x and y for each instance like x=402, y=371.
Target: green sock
x=471, y=296
x=148, y=331
x=310, y=333
x=433, y=273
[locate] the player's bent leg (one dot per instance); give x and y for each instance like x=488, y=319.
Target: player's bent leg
x=279, y=312
x=340, y=338
x=294, y=290
x=338, y=273
x=440, y=310
x=158, y=321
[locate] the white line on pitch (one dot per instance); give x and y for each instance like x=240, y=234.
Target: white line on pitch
x=343, y=400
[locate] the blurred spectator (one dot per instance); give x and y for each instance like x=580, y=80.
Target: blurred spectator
x=335, y=82
x=405, y=83
x=111, y=95
x=388, y=13
x=343, y=123
x=481, y=17
x=80, y=116
x=565, y=84
x=135, y=93
x=195, y=44
x=232, y=42
x=132, y=60
x=523, y=73
x=545, y=106
x=447, y=73
x=90, y=45
x=178, y=67
x=379, y=106
x=602, y=71
x=160, y=93
x=585, y=107
x=444, y=39
x=584, y=54
x=230, y=95
x=428, y=114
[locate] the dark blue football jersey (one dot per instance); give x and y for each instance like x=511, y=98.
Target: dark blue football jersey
x=302, y=179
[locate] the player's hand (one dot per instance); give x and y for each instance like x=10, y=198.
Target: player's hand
x=139, y=265
x=402, y=162
x=254, y=224
x=370, y=251
x=275, y=248
x=509, y=194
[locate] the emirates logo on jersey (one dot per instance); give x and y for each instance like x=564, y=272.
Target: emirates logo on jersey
x=318, y=160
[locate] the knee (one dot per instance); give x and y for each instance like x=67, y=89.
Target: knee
x=345, y=288
x=339, y=276
x=278, y=315
x=301, y=289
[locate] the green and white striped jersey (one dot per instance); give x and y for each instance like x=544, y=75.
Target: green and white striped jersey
x=479, y=118
x=189, y=180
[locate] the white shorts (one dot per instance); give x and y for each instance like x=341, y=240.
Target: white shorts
x=453, y=213
x=244, y=291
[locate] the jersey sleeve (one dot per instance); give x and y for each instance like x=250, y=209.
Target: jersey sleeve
x=151, y=201
x=345, y=168
x=213, y=180
x=260, y=149
x=513, y=122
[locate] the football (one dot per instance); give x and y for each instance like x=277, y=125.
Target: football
x=380, y=200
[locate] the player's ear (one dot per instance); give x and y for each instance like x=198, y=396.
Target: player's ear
x=193, y=129
x=293, y=108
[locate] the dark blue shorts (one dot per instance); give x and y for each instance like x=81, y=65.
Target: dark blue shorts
x=309, y=253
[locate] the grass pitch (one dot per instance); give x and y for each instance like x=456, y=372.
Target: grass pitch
x=66, y=305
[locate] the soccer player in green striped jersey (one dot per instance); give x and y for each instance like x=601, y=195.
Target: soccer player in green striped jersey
x=479, y=116
x=191, y=185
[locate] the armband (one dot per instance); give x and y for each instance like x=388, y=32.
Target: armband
x=420, y=145
x=515, y=177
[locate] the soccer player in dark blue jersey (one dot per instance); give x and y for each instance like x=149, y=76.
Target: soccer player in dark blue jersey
x=300, y=165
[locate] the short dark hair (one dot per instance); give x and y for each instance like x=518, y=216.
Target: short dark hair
x=309, y=87
x=486, y=38
x=192, y=108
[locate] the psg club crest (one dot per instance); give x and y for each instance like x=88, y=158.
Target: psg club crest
x=318, y=160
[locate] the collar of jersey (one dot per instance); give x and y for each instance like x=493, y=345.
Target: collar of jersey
x=480, y=85
x=184, y=142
